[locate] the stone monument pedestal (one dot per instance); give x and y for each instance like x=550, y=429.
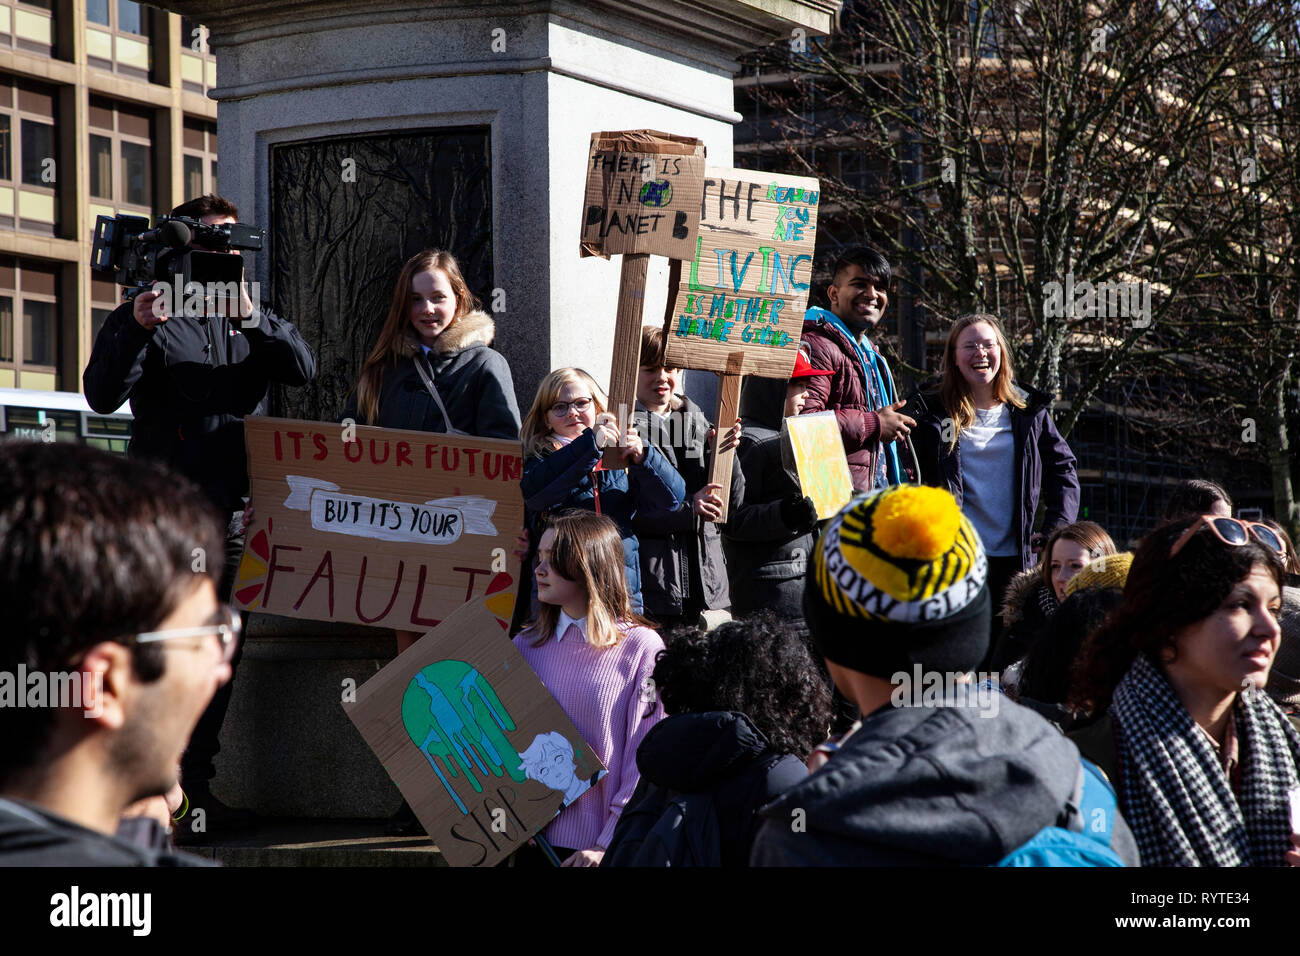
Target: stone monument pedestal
x=305, y=86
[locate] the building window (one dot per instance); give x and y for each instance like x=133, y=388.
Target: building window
x=6, y=328
x=120, y=157
x=199, y=158
x=117, y=37
x=38, y=153
x=28, y=144
x=6, y=148
x=137, y=180
x=101, y=166
x=130, y=18
x=27, y=26
x=39, y=333
x=29, y=323
x=198, y=65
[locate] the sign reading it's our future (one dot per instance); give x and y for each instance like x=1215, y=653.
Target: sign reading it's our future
x=642, y=194
x=740, y=305
x=378, y=526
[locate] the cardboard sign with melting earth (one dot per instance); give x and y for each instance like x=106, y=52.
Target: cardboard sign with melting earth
x=394, y=529
x=474, y=741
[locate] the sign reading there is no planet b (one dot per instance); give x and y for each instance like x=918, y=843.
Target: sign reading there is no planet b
x=643, y=194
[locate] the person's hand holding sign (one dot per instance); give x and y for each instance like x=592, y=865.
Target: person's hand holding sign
x=730, y=440
x=605, y=430
x=590, y=857
x=706, y=503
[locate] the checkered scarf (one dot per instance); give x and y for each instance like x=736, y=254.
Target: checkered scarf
x=1174, y=793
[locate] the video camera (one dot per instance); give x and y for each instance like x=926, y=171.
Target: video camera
x=134, y=255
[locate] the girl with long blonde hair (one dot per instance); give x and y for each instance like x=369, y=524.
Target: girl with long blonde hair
x=595, y=655
x=994, y=446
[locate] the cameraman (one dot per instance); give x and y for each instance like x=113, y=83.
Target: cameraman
x=191, y=380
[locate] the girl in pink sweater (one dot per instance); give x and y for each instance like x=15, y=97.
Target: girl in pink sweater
x=595, y=655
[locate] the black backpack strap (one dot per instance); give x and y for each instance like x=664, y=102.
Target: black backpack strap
x=1071, y=817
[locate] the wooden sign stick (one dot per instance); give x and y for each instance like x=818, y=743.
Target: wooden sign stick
x=720, y=463
x=627, y=347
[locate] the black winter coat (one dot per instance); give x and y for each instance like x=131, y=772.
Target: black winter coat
x=191, y=382
x=681, y=554
x=1044, y=466
x=720, y=752
x=473, y=380
x=766, y=559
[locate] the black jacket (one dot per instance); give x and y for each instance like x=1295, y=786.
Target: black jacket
x=1044, y=466
x=191, y=382
x=681, y=554
x=721, y=752
x=766, y=559
x=929, y=786
x=32, y=836
x=473, y=380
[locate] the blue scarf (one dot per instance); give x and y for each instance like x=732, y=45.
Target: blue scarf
x=879, y=381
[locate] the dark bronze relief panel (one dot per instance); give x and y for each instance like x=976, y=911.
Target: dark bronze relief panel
x=346, y=212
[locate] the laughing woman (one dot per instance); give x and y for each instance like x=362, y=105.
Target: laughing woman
x=1203, y=761
x=994, y=447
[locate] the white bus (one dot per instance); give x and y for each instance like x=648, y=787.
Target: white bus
x=61, y=416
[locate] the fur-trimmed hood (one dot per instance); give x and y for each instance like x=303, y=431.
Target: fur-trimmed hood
x=470, y=330
x=1025, y=588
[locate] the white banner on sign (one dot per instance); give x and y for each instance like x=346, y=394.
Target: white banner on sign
x=440, y=521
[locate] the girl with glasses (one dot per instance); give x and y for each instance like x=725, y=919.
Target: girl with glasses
x=1203, y=761
x=565, y=434
x=994, y=447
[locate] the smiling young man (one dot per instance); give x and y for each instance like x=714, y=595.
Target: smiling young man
x=861, y=389
x=96, y=578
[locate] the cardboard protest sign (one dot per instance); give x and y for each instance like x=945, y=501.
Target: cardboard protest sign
x=739, y=307
x=643, y=194
x=391, y=529
x=812, y=449
x=477, y=745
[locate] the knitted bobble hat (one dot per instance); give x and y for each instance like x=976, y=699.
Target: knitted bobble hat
x=1107, y=571
x=899, y=579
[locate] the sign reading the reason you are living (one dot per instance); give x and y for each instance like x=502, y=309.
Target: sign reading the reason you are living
x=740, y=306
x=378, y=526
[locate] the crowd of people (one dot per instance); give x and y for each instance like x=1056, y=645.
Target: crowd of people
x=952, y=670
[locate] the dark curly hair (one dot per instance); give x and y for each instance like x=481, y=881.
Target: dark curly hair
x=1162, y=597
x=1050, y=660
x=759, y=666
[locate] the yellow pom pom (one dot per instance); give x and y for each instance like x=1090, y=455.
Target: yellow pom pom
x=916, y=522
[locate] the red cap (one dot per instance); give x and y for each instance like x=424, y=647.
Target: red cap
x=802, y=368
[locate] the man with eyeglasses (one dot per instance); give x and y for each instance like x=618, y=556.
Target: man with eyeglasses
x=860, y=390
x=100, y=597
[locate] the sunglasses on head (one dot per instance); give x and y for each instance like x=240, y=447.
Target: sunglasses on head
x=1233, y=531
